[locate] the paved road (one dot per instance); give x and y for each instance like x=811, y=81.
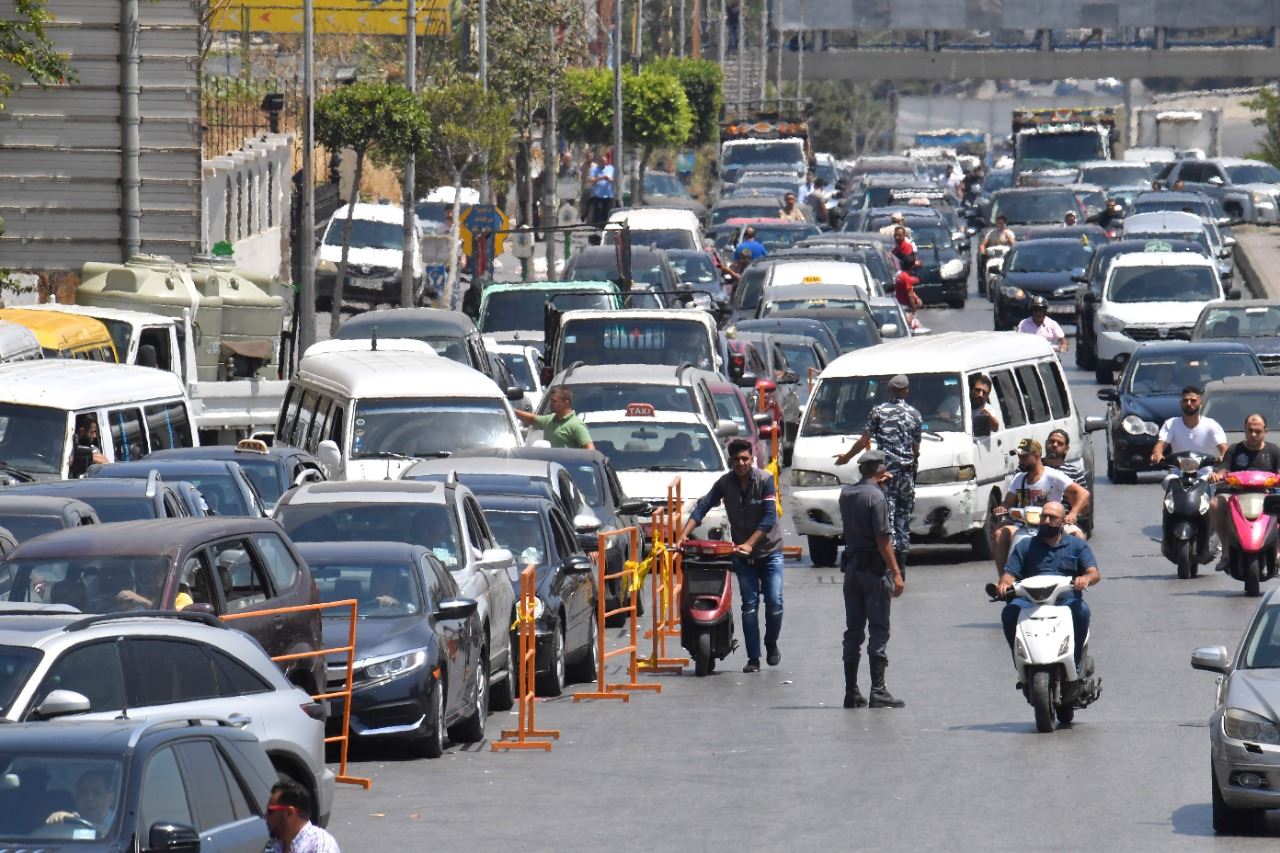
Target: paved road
x=772, y=762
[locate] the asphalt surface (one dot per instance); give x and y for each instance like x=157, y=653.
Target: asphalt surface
x=771, y=761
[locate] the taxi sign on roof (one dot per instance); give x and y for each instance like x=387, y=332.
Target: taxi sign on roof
x=907, y=192
x=811, y=279
x=639, y=410
x=1157, y=246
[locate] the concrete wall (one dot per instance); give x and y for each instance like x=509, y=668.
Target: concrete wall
x=245, y=201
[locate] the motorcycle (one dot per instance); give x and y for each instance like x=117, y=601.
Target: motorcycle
x=1251, y=547
x=1187, y=536
x=990, y=266
x=706, y=602
x=1044, y=653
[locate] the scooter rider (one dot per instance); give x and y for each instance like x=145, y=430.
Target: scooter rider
x=750, y=503
x=1191, y=432
x=1036, y=485
x=1255, y=453
x=1050, y=553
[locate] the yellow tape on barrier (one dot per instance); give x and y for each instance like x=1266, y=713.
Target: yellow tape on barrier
x=774, y=469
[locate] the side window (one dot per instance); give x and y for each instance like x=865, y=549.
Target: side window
x=486, y=535
x=566, y=540
x=206, y=785
x=168, y=425
x=240, y=804
x=164, y=796
x=288, y=410
x=127, y=435
x=165, y=671
x=159, y=341
x=438, y=577
x=479, y=356
x=239, y=576
x=172, y=507
x=197, y=581
x=1032, y=393
x=758, y=366
x=320, y=426
x=431, y=583
x=92, y=670
x=336, y=416
x=1059, y=400
x=281, y=566
x=615, y=487
x=472, y=524
x=234, y=678
x=1011, y=412
x=306, y=413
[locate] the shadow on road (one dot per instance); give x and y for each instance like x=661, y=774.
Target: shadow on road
x=1214, y=593
x=939, y=555
x=1021, y=727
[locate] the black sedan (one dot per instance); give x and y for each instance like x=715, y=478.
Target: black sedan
x=1148, y=393
x=418, y=644
x=225, y=485
x=1048, y=268
x=1254, y=323
x=943, y=271
x=273, y=470
x=537, y=533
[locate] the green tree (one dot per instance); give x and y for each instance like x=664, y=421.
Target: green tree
x=703, y=84
x=1267, y=103
x=378, y=120
x=655, y=114
x=26, y=47
x=470, y=134
x=587, y=115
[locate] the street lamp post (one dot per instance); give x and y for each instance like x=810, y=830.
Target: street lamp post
x=410, y=165
x=306, y=321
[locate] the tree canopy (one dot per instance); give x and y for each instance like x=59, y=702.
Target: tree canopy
x=25, y=45
x=1267, y=104
x=703, y=84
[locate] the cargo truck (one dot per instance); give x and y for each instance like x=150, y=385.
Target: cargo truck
x=1049, y=144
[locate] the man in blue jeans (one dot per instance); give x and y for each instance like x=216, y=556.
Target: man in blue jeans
x=750, y=503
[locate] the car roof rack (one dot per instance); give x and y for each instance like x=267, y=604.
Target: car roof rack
x=181, y=615
x=149, y=725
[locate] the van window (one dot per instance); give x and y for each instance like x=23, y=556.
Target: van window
x=306, y=413
x=168, y=425
x=159, y=340
x=1012, y=414
x=127, y=434
x=288, y=413
x=336, y=424
x=320, y=424
x=1059, y=400
x=1032, y=393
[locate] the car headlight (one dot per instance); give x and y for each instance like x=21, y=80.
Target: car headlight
x=1246, y=725
x=953, y=268
x=952, y=474
x=1204, y=504
x=394, y=666
x=1262, y=198
x=1135, y=425
x=800, y=477
x=1110, y=324
x=1013, y=293
x=539, y=607
x=1168, y=503
x=323, y=265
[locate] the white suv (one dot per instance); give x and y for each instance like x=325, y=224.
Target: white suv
x=374, y=258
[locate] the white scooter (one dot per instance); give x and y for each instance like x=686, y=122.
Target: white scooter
x=1044, y=653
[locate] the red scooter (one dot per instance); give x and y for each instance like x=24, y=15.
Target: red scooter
x=1251, y=547
x=706, y=602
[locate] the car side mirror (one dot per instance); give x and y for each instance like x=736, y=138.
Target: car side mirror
x=1109, y=395
x=889, y=330
x=1077, y=274
x=330, y=456
x=1211, y=659
x=493, y=556
x=173, y=838
x=60, y=703
x=1093, y=423
x=586, y=522
x=579, y=564
x=726, y=429
x=633, y=506
x=746, y=380
x=515, y=393
x=455, y=608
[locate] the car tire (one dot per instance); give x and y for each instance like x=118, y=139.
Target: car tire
x=552, y=683
x=502, y=696
x=1103, y=373
x=982, y=540
x=430, y=743
x=1228, y=820
x=471, y=729
x=823, y=550
x=585, y=669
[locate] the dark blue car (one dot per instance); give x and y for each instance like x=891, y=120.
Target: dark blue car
x=1045, y=267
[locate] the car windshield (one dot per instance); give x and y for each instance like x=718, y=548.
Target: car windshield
x=775, y=237
x=1254, y=173
x=659, y=238
x=644, y=444
x=1262, y=646
x=793, y=302
x=841, y=405
x=24, y=527
x=122, y=509
x=221, y=491
x=424, y=428
x=425, y=524
x=930, y=237
x=1049, y=256
x=1162, y=284
x=785, y=152
x=32, y=438
x=729, y=405
x=801, y=357
x=57, y=799
x=1155, y=204
x=265, y=475
x=521, y=369
x=383, y=590
x=16, y=665
x=525, y=309
x=1045, y=206
x=1169, y=375
x=997, y=180
x=615, y=396
x=851, y=332
x=1115, y=176
x=520, y=533
x=366, y=234
x=1229, y=321
x=696, y=268
x=91, y=584
x=660, y=183
x=636, y=340
x=766, y=209
x=1058, y=150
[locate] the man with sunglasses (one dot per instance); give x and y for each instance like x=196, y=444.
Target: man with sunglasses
x=289, y=821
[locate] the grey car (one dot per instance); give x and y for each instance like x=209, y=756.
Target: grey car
x=1244, y=731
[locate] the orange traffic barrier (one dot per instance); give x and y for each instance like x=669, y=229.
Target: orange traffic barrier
x=631, y=575
x=345, y=693
x=790, y=552
x=665, y=607
x=522, y=736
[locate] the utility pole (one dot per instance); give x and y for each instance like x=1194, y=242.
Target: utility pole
x=411, y=83
x=618, y=172
x=696, y=50
x=721, y=38
x=800, y=61
x=637, y=38
x=306, y=320
x=764, y=49
x=550, y=168
x=680, y=30
x=740, y=92
x=482, y=46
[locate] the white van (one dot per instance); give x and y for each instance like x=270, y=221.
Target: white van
x=368, y=415
x=961, y=475
x=137, y=410
x=807, y=271
x=168, y=339
x=664, y=227
x=18, y=343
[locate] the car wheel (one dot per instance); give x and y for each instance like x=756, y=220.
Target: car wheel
x=471, y=729
x=502, y=696
x=956, y=302
x=1228, y=820
x=822, y=550
x=1103, y=374
x=586, y=668
x=552, y=683
x=982, y=540
x=430, y=744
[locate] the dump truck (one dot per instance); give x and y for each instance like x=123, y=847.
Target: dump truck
x=1050, y=143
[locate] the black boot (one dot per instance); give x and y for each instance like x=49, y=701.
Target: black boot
x=880, y=695
x=852, y=697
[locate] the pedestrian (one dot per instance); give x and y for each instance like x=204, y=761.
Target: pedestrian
x=1069, y=218
x=817, y=200
x=562, y=427
x=895, y=426
x=602, y=185
x=807, y=187
x=1040, y=323
x=904, y=291
x=750, y=502
x=871, y=580
x=751, y=244
x=1111, y=216
x=289, y=822
x=789, y=211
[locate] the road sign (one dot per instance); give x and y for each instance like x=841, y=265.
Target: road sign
x=483, y=217
x=356, y=17
x=522, y=243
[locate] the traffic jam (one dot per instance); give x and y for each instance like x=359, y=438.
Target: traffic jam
x=439, y=516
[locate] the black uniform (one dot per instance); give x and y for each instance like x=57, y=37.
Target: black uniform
x=868, y=589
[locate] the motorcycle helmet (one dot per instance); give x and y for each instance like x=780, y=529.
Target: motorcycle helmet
x=1039, y=303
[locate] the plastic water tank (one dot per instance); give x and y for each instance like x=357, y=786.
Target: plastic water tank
x=251, y=318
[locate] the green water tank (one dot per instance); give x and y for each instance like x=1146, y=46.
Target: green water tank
x=251, y=317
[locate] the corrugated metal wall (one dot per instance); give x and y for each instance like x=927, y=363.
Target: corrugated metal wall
x=60, y=147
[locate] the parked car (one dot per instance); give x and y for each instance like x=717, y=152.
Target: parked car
x=222, y=566
x=163, y=666
x=272, y=470
x=115, y=499
x=418, y=668
x=226, y=486
x=27, y=517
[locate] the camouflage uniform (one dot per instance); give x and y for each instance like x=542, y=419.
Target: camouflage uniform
x=894, y=426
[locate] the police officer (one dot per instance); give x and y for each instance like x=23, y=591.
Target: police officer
x=871, y=579
x=895, y=426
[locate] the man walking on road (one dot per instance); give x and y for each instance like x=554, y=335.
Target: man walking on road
x=563, y=427
x=871, y=580
x=750, y=502
x=895, y=427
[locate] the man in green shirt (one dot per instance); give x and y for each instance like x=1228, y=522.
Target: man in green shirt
x=563, y=427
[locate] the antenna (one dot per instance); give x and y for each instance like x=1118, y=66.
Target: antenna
x=373, y=339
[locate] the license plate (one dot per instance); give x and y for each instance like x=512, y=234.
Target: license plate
x=1061, y=309
x=367, y=283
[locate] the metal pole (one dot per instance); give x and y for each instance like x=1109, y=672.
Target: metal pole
x=130, y=141
x=407, y=294
x=680, y=50
x=307, y=219
x=618, y=173
x=550, y=170
x=778, y=24
x=637, y=38
x=696, y=49
x=800, y=62
x=742, y=45
x=721, y=37
x=764, y=49
x=482, y=47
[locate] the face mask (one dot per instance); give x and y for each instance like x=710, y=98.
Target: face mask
x=1048, y=533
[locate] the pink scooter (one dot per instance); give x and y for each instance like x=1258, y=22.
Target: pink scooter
x=1251, y=547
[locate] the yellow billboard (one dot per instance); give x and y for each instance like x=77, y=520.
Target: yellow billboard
x=355, y=17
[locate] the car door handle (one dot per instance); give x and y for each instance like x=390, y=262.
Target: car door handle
x=278, y=621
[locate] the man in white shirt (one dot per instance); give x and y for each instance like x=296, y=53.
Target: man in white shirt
x=1191, y=432
x=1035, y=484
x=1040, y=323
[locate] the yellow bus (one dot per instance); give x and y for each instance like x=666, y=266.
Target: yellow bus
x=65, y=335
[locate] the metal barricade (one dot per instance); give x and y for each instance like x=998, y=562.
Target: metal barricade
x=522, y=736
x=665, y=597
